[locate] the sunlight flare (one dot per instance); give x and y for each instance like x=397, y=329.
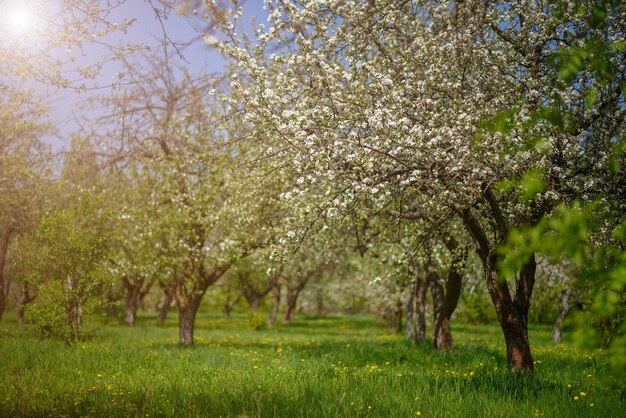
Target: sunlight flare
x=19, y=19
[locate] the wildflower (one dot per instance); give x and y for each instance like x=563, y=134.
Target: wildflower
x=575, y=398
x=418, y=413
x=583, y=394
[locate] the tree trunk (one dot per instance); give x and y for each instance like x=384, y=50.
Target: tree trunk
x=74, y=307
x=513, y=314
x=165, y=307
x=136, y=290
x=27, y=298
x=186, y=319
x=131, y=311
x=5, y=240
x=442, y=337
x=398, y=316
x=254, y=304
x=558, y=324
x=321, y=307
x=292, y=300
x=20, y=314
x=271, y=320
x=410, y=328
x=291, y=306
x=229, y=304
x=420, y=309
x=3, y=296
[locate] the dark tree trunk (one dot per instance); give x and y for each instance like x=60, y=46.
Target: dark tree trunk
x=512, y=313
x=410, y=328
x=187, y=318
x=558, y=324
x=5, y=240
x=398, y=317
x=420, y=309
x=188, y=300
x=229, y=302
x=273, y=315
x=3, y=296
x=136, y=290
x=293, y=292
x=290, y=309
x=254, y=304
x=27, y=298
x=20, y=315
x=132, y=298
x=442, y=337
x=165, y=307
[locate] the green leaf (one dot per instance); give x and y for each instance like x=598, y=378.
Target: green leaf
x=531, y=184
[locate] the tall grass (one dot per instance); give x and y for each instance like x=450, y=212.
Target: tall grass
x=313, y=367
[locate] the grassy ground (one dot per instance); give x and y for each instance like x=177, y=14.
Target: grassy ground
x=312, y=367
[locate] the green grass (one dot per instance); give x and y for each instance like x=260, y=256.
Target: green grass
x=313, y=367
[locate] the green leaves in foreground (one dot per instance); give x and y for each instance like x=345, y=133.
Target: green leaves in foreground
x=571, y=233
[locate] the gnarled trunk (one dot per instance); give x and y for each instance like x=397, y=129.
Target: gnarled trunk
x=293, y=292
x=513, y=314
x=165, y=307
x=558, y=324
x=187, y=318
x=273, y=315
x=442, y=337
x=136, y=290
x=290, y=309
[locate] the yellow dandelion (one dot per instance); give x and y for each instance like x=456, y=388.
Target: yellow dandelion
x=583, y=394
x=418, y=413
x=575, y=398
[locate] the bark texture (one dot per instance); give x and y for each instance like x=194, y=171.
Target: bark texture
x=442, y=337
x=512, y=313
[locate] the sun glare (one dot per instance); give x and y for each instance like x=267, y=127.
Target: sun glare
x=17, y=19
